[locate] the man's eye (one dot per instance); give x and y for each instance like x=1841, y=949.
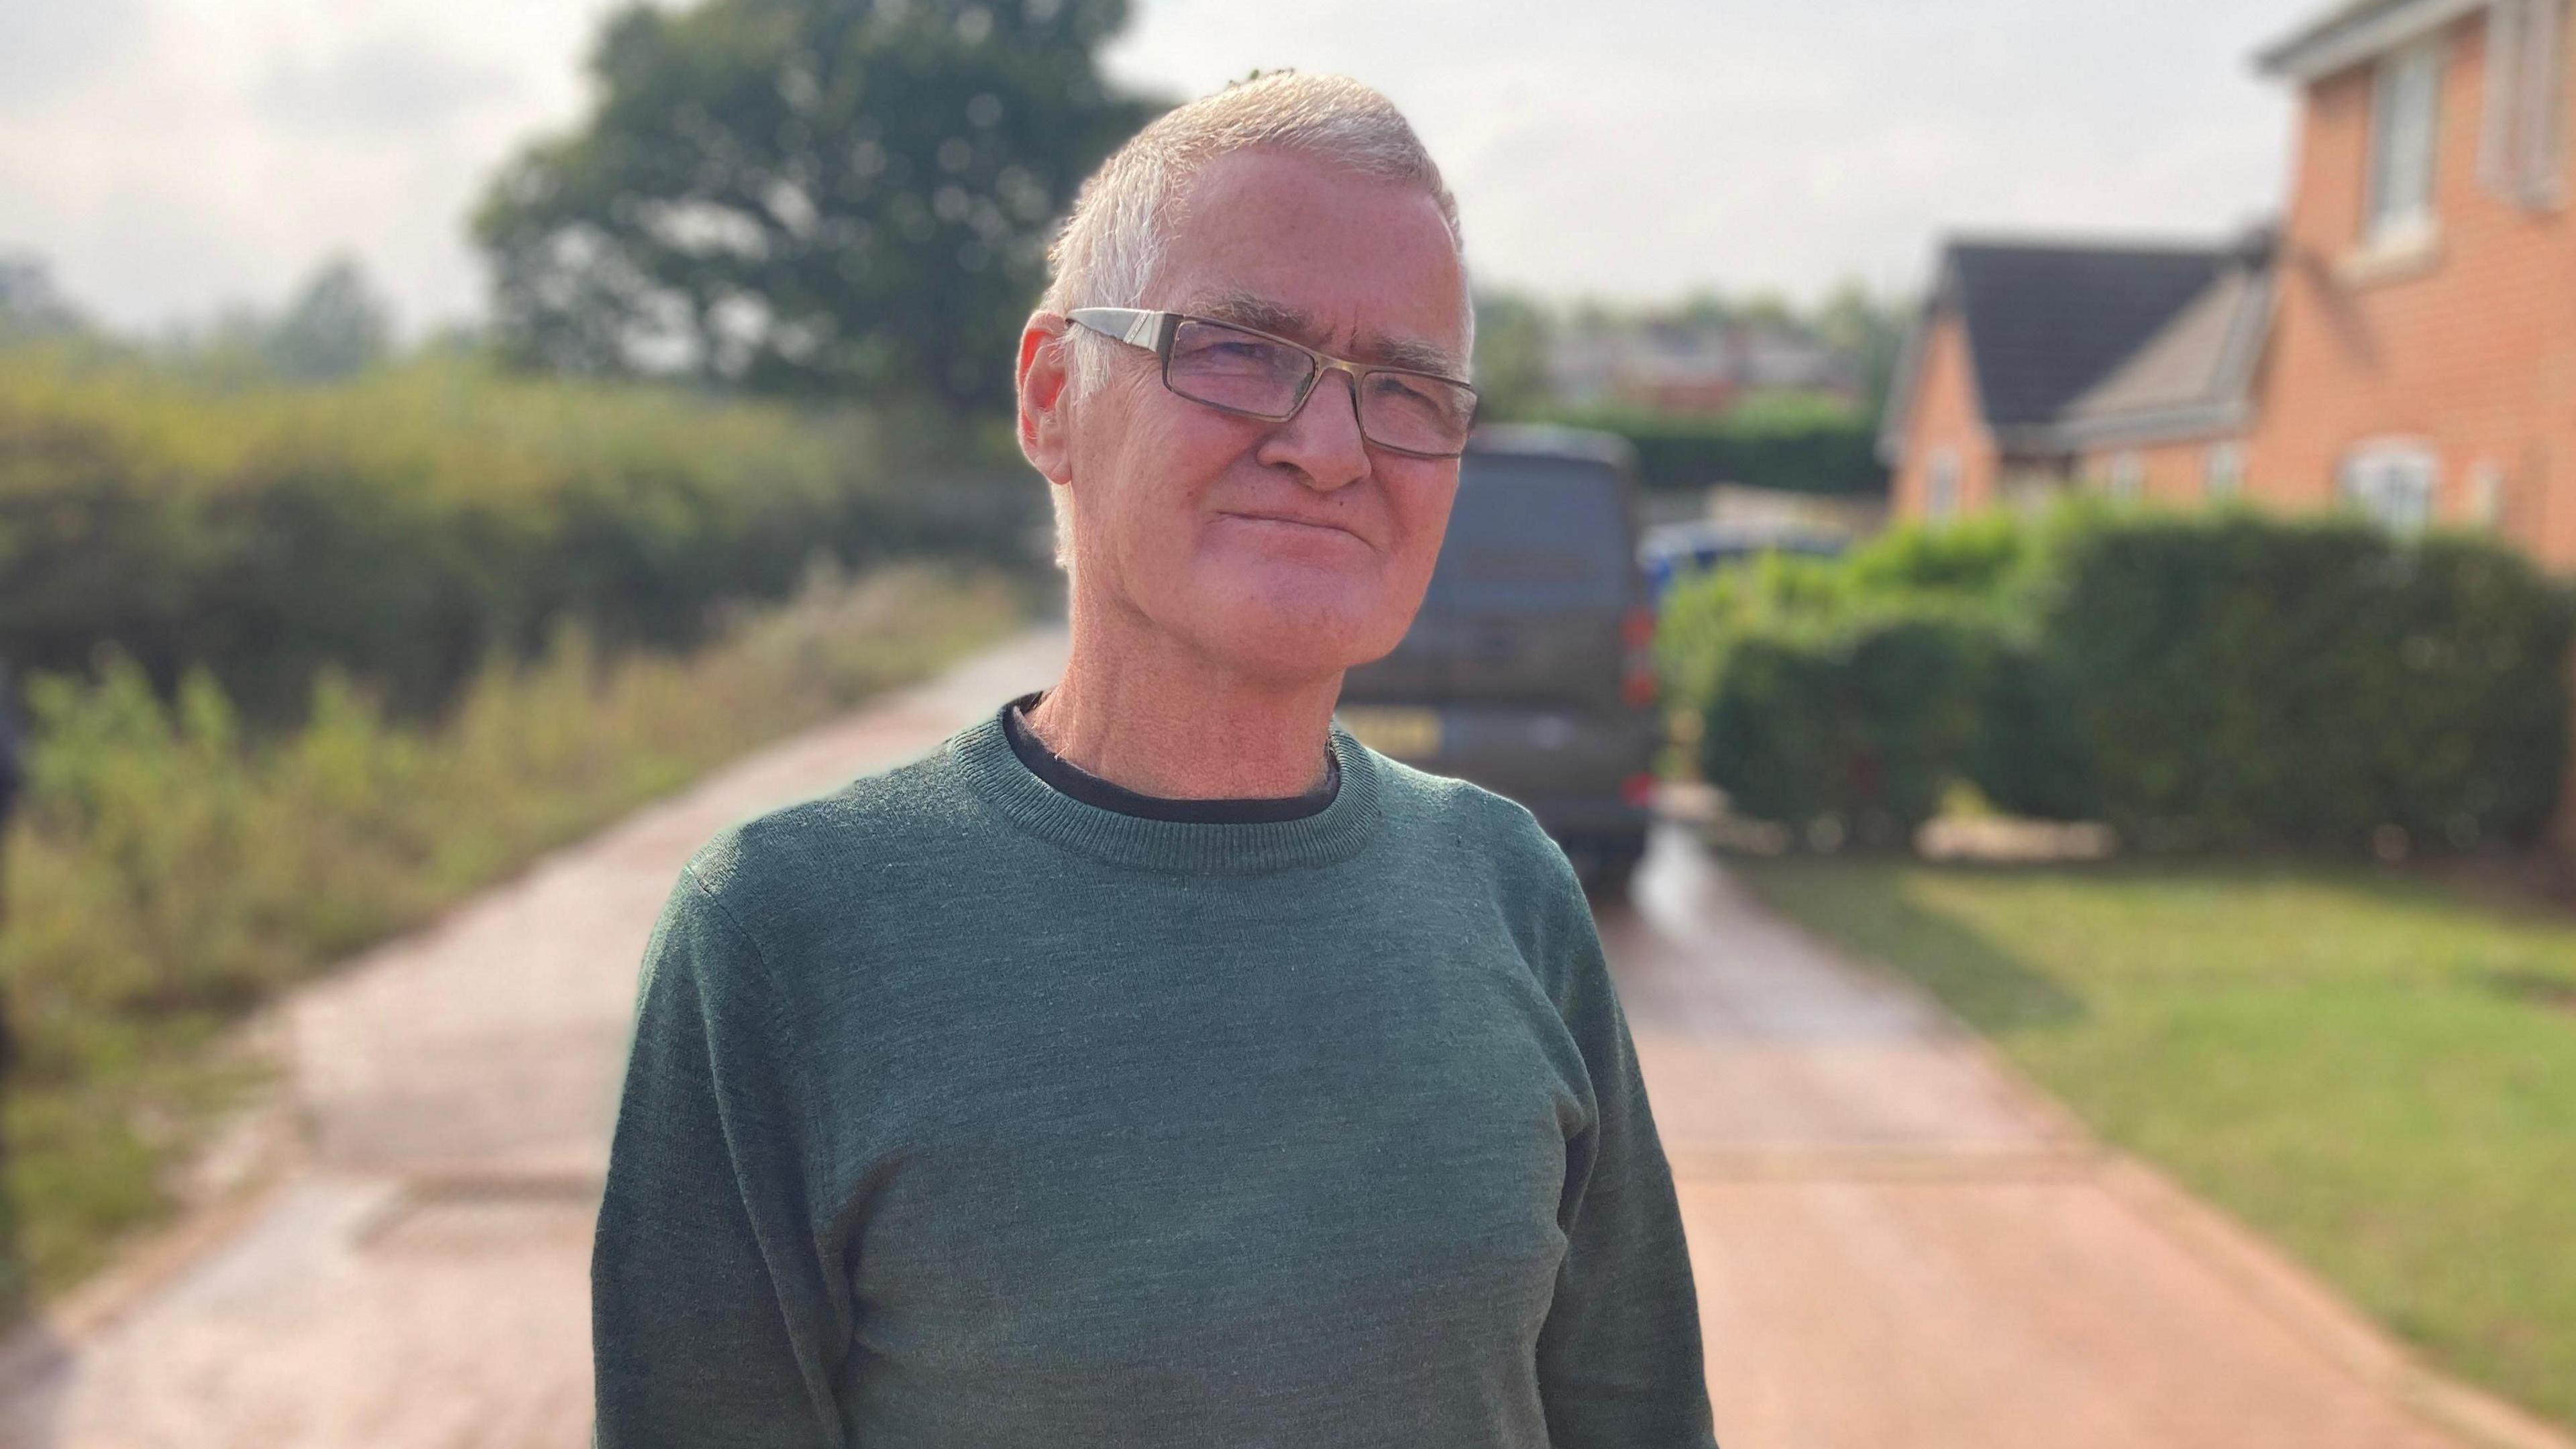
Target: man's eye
x=1237, y=355
x=1427, y=398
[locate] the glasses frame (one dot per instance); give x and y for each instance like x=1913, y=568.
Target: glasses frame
x=1154, y=331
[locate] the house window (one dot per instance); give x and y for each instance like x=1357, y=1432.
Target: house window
x=2403, y=113
x=1941, y=486
x=2127, y=478
x=2520, y=156
x=2224, y=473
x=2393, y=483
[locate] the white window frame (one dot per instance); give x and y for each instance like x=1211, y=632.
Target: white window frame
x=2127, y=478
x=1941, y=485
x=2405, y=160
x=2223, y=472
x=2395, y=482
x=2521, y=154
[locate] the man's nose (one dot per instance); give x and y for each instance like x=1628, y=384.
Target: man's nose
x=1323, y=440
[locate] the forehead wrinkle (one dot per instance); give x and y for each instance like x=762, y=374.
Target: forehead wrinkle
x=1248, y=309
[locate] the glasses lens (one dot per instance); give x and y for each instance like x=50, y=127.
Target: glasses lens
x=1214, y=363
x=1418, y=414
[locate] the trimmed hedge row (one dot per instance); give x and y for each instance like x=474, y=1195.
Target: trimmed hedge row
x=1814, y=448
x=2225, y=681
x=404, y=526
x=1860, y=725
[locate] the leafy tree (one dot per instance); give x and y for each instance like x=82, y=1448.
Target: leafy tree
x=1513, y=334
x=30, y=304
x=338, y=326
x=808, y=195
x=1868, y=329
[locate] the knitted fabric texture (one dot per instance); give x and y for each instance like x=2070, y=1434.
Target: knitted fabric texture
x=963, y=1113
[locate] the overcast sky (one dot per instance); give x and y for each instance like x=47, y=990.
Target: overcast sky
x=171, y=156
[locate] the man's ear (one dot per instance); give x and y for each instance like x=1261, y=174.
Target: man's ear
x=1045, y=378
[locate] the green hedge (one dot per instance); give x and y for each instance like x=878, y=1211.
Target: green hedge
x=2223, y=681
x=1860, y=724
x=1972, y=564
x=405, y=525
x=1808, y=447
x=2236, y=681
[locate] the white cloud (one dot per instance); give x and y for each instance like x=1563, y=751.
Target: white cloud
x=172, y=155
x=1638, y=148
x=385, y=85
x=46, y=49
x=232, y=145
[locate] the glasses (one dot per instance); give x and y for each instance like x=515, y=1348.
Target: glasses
x=1256, y=375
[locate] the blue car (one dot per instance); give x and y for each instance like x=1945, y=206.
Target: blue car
x=1674, y=551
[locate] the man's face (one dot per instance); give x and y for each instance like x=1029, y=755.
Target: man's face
x=1282, y=549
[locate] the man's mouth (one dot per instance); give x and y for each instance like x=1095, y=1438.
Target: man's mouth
x=1294, y=522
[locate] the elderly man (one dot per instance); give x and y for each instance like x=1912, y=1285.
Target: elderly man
x=1154, y=1064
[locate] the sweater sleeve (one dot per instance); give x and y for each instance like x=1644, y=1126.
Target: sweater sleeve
x=711, y=1320
x=1619, y=1357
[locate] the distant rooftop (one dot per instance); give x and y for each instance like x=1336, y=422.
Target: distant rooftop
x=2074, y=342
x=2046, y=323
x=2194, y=374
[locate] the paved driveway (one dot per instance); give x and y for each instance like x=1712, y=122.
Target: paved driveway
x=1896, y=1244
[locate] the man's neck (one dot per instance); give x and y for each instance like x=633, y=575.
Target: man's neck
x=1140, y=709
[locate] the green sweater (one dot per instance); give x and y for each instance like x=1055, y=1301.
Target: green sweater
x=961, y=1112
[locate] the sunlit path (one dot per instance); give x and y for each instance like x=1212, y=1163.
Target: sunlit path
x=1897, y=1243
x=425, y=1284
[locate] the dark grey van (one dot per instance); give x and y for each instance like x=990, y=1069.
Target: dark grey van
x=1530, y=669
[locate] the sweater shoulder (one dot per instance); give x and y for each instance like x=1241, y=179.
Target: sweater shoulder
x=1501, y=841
x=780, y=871
x=1503, y=853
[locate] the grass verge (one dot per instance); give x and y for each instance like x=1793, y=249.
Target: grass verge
x=2370, y=1068
x=170, y=874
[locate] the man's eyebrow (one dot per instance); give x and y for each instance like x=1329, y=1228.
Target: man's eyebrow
x=1244, y=309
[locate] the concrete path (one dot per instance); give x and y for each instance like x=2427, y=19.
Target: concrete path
x=1899, y=1243
x=1895, y=1242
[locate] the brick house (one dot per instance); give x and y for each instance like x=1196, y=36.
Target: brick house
x=2037, y=366
x=2424, y=355
x=2407, y=344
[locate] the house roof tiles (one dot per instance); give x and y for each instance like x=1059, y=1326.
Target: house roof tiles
x=2046, y=323
x=2194, y=374
x=2073, y=344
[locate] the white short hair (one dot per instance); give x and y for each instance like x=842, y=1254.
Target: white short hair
x=1120, y=228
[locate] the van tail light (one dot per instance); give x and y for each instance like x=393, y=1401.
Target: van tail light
x=1638, y=684
x=1639, y=791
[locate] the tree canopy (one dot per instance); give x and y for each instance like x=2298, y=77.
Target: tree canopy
x=336, y=327
x=808, y=195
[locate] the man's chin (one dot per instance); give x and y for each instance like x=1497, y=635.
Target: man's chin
x=1300, y=634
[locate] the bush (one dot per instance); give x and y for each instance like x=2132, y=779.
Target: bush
x=171, y=870
x=2231, y=681
x=1969, y=568
x=1856, y=727
x=2219, y=681
x=1822, y=447
x=402, y=526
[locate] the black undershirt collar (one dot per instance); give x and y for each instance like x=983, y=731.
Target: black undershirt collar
x=1090, y=789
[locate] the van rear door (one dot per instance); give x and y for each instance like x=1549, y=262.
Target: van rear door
x=1536, y=575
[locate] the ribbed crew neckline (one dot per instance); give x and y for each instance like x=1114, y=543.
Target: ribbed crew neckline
x=983, y=756
x=1071, y=779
